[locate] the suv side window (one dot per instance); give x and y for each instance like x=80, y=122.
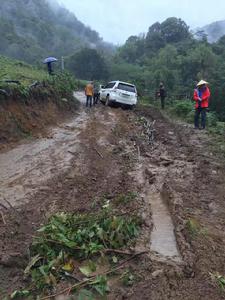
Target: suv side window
x=110, y=85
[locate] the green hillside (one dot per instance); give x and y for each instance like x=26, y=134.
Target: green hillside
x=21, y=79
x=11, y=69
x=33, y=29
x=213, y=31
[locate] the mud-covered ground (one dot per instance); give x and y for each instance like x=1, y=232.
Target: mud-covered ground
x=104, y=152
x=26, y=118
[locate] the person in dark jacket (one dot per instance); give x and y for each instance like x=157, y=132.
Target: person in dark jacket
x=162, y=94
x=96, y=95
x=49, y=66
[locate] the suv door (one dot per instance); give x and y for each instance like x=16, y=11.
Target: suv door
x=106, y=90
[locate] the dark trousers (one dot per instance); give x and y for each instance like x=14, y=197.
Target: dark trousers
x=89, y=101
x=200, y=111
x=96, y=98
x=50, y=71
x=162, y=102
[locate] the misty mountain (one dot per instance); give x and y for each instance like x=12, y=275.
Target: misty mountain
x=214, y=31
x=33, y=29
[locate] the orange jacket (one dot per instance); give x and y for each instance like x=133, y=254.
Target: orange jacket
x=89, y=90
x=205, y=97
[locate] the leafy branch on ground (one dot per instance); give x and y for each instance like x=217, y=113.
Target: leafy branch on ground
x=69, y=239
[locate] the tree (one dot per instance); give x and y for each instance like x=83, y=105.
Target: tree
x=154, y=38
x=201, y=35
x=175, y=30
x=88, y=64
x=133, y=49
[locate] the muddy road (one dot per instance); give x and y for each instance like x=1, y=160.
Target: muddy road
x=105, y=151
x=26, y=168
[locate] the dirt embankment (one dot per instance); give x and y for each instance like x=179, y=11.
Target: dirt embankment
x=180, y=187
x=23, y=116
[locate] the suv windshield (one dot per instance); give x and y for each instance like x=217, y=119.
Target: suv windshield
x=110, y=85
x=126, y=87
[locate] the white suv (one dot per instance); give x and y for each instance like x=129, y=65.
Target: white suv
x=119, y=92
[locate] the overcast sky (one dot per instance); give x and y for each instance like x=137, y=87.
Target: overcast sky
x=116, y=20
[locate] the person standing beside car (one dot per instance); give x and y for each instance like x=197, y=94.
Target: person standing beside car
x=89, y=92
x=201, y=97
x=96, y=94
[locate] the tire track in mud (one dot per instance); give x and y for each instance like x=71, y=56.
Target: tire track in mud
x=192, y=189
x=164, y=176
x=162, y=239
x=26, y=169
x=88, y=178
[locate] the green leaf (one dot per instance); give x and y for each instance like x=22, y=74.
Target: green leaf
x=100, y=285
x=115, y=259
x=33, y=261
x=16, y=294
x=91, y=234
x=62, y=238
x=68, y=267
x=92, y=265
x=100, y=289
x=85, y=295
x=42, y=229
x=86, y=270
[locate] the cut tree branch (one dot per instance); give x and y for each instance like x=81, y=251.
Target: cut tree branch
x=86, y=281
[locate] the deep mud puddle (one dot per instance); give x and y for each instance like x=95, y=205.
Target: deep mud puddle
x=163, y=240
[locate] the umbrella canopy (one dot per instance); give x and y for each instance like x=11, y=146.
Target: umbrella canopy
x=49, y=60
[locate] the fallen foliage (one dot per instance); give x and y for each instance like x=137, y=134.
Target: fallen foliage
x=67, y=240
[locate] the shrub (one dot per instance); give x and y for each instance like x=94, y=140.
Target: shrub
x=190, y=116
x=181, y=108
x=212, y=119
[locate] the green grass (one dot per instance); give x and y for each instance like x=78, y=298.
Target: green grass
x=16, y=70
x=184, y=110
x=147, y=101
x=61, y=84
x=195, y=229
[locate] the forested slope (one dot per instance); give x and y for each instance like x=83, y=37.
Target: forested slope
x=32, y=29
x=169, y=52
x=214, y=31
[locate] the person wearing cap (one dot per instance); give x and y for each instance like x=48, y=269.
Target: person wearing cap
x=89, y=92
x=201, y=97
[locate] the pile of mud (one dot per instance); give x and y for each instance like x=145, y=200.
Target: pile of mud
x=22, y=117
